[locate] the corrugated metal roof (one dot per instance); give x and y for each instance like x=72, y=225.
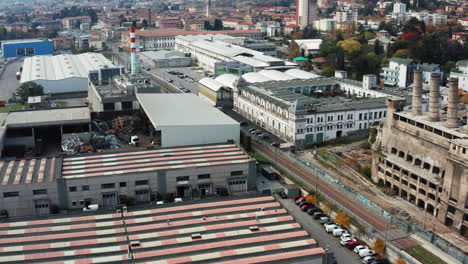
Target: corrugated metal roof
x=228, y=80
x=26, y=171
x=211, y=84
x=63, y=66
x=276, y=75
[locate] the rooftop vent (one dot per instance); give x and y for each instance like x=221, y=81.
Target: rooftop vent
x=196, y=236
x=253, y=228
x=135, y=243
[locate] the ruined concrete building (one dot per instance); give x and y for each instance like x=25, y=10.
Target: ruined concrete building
x=423, y=156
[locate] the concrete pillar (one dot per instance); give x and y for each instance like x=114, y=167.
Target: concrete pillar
x=434, y=94
x=417, y=90
x=452, y=107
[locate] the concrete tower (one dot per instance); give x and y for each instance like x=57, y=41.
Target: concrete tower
x=434, y=94
x=452, y=107
x=208, y=6
x=417, y=91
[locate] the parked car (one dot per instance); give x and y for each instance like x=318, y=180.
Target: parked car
x=251, y=129
x=303, y=202
x=283, y=195
x=264, y=136
x=324, y=219
x=338, y=232
x=306, y=206
x=368, y=260
x=327, y=222
x=243, y=123
x=346, y=235
x=275, y=144
x=317, y=215
x=346, y=241
x=258, y=132
x=359, y=247
x=352, y=244
x=297, y=197
x=253, y=132
x=366, y=252
x=313, y=210
x=298, y=201
x=329, y=228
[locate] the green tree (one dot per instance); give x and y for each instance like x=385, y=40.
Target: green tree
x=28, y=89
x=207, y=25
x=351, y=47
x=293, y=51
x=328, y=71
x=449, y=66
x=401, y=53
x=218, y=24
x=378, y=49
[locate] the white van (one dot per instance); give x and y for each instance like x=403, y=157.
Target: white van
x=91, y=208
x=338, y=232
x=331, y=227
x=366, y=253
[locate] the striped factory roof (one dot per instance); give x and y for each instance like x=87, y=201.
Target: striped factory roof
x=151, y=160
x=165, y=234
x=27, y=171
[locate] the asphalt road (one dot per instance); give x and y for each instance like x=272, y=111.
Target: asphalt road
x=317, y=231
x=192, y=86
x=8, y=82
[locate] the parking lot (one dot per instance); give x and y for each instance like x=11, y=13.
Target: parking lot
x=317, y=231
x=187, y=77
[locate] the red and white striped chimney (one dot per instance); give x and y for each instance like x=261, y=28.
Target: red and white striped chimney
x=133, y=55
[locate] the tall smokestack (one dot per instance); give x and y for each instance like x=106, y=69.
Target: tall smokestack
x=434, y=94
x=208, y=5
x=133, y=58
x=452, y=107
x=417, y=91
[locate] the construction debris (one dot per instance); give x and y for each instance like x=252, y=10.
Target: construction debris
x=104, y=141
x=72, y=144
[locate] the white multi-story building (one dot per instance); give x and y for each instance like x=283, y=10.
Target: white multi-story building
x=283, y=104
x=399, y=8
x=307, y=12
x=427, y=18
x=461, y=74
x=346, y=16
x=325, y=24
x=270, y=28
x=400, y=72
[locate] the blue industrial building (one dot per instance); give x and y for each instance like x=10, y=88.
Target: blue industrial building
x=27, y=47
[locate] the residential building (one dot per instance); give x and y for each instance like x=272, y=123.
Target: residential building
x=346, y=16
x=263, y=46
x=399, y=72
x=309, y=47
x=64, y=43
x=307, y=12
x=399, y=8
x=461, y=73
x=270, y=28
x=75, y=22
x=423, y=156
x=325, y=24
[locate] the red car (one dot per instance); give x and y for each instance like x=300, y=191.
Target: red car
x=298, y=201
x=275, y=144
x=297, y=197
x=306, y=206
x=352, y=244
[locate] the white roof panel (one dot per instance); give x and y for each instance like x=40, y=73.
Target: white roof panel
x=227, y=79
x=300, y=74
x=276, y=75
x=211, y=84
x=253, y=77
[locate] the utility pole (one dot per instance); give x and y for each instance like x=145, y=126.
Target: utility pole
x=385, y=238
x=316, y=174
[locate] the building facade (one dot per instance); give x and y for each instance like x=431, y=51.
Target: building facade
x=424, y=158
x=75, y=22
x=27, y=47
x=400, y=72
x=461, y=74
x=307, y=12
x=34, y=186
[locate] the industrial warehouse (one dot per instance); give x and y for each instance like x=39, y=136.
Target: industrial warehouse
x=231, y=230
x=35, y=186
x=69, y=73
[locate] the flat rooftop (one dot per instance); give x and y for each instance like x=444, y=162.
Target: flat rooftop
x=16, y=41
x=181, y=110
x=46, y=117
x=92, y=165
x=165, y=235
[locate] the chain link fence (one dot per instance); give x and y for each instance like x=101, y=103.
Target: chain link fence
x=349, y=192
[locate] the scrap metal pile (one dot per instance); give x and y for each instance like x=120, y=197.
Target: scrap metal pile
x=112, y=134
